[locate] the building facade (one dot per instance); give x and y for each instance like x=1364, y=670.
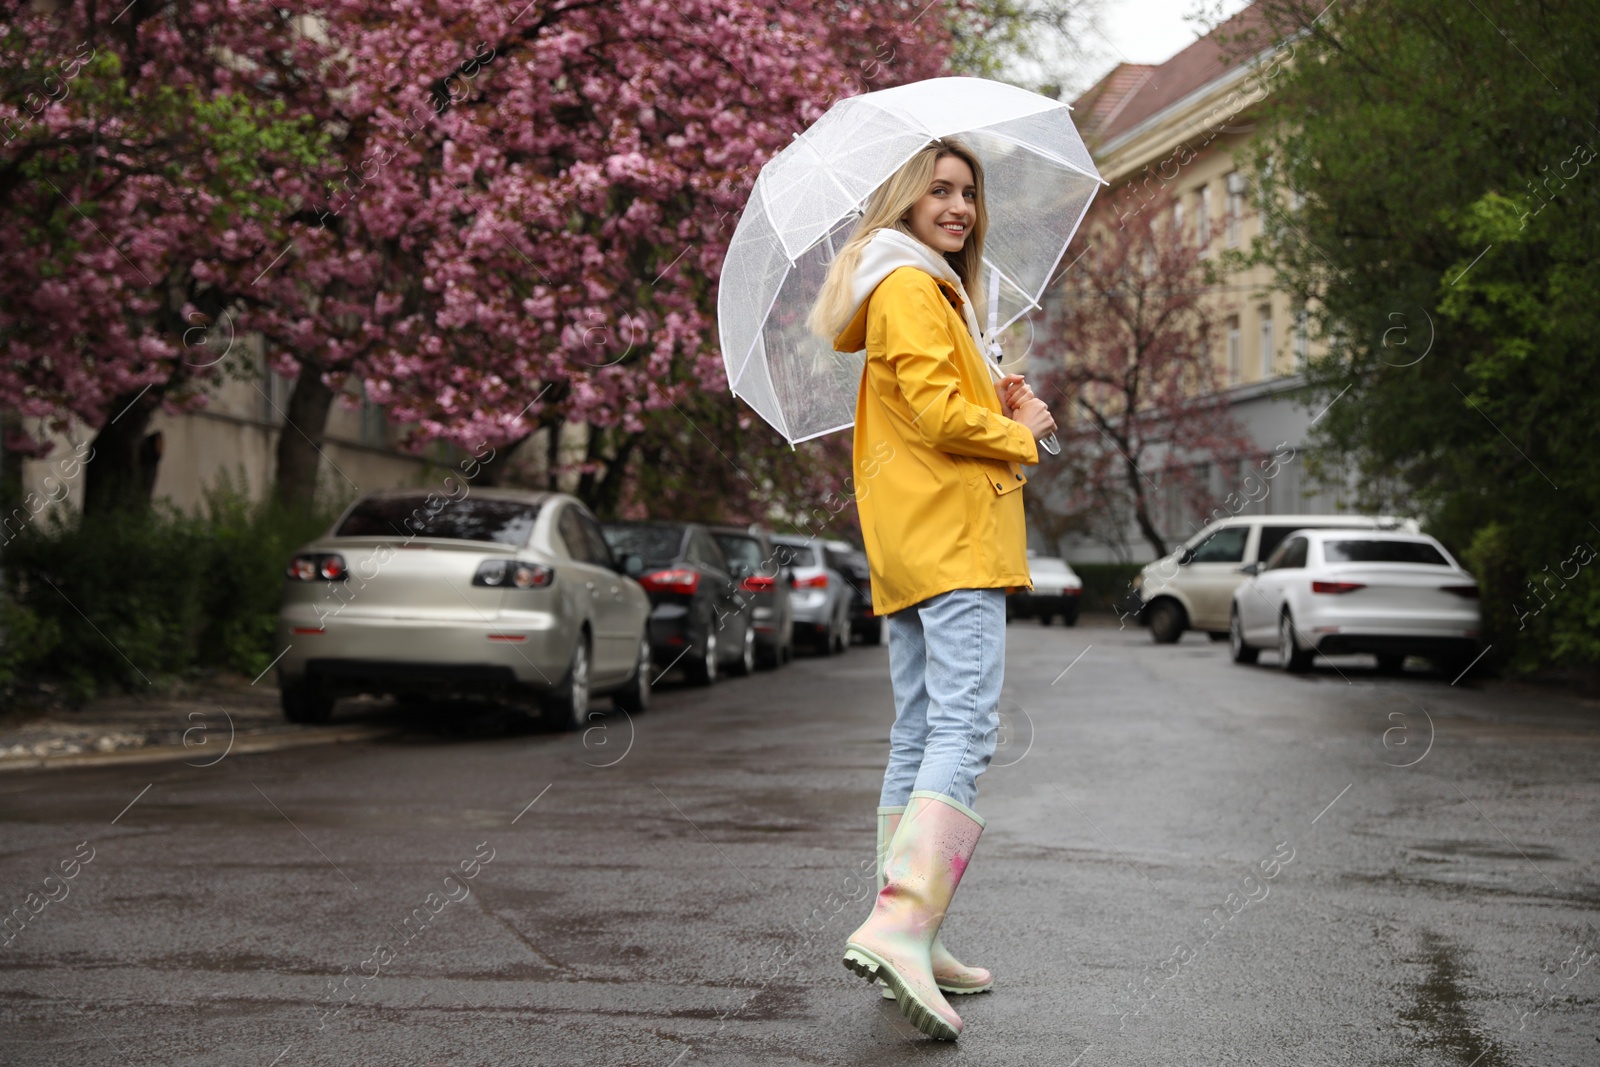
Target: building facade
x=1177, y=137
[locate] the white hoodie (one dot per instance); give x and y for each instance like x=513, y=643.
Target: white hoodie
x=887, y=252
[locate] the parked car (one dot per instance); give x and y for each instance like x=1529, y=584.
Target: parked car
x=821, y=596
x=697, y=614
x=502, y=592
x=1057, y=590
x=753, y=561
x=852, y=565
x=1192, y=587
x=1341, y=591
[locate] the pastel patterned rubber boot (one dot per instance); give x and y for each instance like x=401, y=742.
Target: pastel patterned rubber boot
x=950, y=974
x=923, y=866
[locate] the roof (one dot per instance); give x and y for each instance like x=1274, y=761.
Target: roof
x=1133, y=92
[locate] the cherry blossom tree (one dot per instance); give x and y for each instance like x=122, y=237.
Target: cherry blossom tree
x=491, y=220
x=1137, y=387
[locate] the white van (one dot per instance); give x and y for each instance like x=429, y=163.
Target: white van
x=1192, y=587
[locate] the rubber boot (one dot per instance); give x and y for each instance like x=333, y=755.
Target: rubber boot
x=950, y=974
x=922, y=869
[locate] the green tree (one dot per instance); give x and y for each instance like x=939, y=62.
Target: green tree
x=1432, y=190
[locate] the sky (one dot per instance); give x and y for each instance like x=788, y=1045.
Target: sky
x=1152, y=31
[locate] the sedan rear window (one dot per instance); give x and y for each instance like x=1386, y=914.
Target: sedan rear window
x=1383, y=552
x=508, y=522
x=653, y=544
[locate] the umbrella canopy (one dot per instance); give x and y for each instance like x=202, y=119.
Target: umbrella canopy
x=1038, y=182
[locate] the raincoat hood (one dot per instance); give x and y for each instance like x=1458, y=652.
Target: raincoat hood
x=888, y=251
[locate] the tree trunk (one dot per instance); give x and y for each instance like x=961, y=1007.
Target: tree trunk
x=1141, y=509
x=300, y=442
x=493, y=471
x=122, y=473
x=603, y=494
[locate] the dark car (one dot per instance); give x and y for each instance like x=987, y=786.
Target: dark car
x=753, y=561
x=852, y=563
x=697, y=616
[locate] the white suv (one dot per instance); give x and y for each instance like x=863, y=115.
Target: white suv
x=1192, y=587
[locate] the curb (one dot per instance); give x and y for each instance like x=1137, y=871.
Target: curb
x=165, y=753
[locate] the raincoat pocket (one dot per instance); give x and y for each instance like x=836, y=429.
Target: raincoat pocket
x=1001, y=477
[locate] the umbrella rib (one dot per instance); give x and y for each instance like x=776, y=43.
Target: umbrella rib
x=1041, y=153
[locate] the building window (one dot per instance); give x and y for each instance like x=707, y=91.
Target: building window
x=1235, y=350
x=1266, y=341
x=374, y=423
x=1202, y=218
x=272, y=395
x=1302, y=340
x=1177, y=221
x=1235, y=209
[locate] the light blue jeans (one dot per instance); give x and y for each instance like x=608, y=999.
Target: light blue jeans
x=947, y=660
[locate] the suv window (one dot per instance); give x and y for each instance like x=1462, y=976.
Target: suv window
x=1271, y=538
x=744, y=554
x=794, y=556
x=1224, y=546
x=1290, y=554
x=703, y=550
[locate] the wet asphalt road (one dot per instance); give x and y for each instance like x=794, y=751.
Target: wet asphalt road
x=1187, y=862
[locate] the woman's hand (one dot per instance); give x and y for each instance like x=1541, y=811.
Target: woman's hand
x=1013, y=393
x=1033, y=414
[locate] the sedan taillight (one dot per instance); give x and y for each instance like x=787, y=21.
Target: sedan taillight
x=758, y=583
x=1336, y=587
x=677, y=580
x=328, y=566
x=1468, y=591
x=816, y=581
x=516, y=573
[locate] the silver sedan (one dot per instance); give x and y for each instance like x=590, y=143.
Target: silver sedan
x=491, y=592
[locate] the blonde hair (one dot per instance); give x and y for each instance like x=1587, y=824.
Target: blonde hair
x=886, y=208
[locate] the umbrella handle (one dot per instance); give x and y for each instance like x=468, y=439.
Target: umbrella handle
x=1050, y=445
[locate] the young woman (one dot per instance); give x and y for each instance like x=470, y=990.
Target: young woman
x=939, y=447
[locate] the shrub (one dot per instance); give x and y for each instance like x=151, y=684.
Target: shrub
x=145, y=598
x=1106, y=585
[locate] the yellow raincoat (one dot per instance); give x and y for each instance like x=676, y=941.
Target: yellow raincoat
x=938, y=468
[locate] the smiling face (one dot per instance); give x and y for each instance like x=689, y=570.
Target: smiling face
x=945, y=214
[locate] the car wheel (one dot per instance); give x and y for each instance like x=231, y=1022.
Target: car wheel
x=635, y=696
x=1391, y=662
x=786, y=653
x=306, y=702
x=1166, y=621
x=872, y=632
x=1291, y=657
x=1070, y=618
x=746, y=665
x=1242, y=653
x=567, y=708
x=703, y=671
x=842, y=643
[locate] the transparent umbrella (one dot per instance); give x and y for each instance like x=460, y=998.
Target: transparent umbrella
x=1038, y=183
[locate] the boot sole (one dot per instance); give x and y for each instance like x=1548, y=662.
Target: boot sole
x=871, y=967
x=947, y=990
